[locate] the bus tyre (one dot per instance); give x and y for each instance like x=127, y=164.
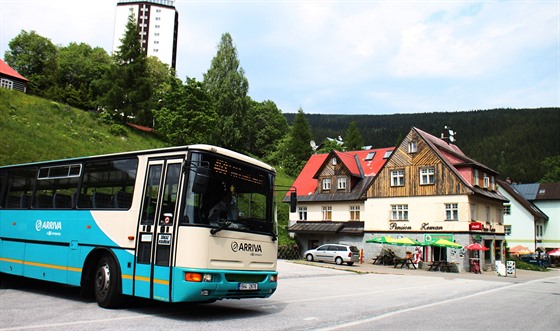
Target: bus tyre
x=107, y=286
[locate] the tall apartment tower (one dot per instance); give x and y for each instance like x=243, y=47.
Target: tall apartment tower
x=158, y=23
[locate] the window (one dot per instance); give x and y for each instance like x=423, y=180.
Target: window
x=488, y=215
x=507, y=209
x=493, y=182
x=341, y=183
x=475, y=177
x=507, y=230
x=427, y=176
x=302, y=212
x=540, y=230
x=354, y=213
x=334, y=161
x=451, y=212
x=397, y=177
x=412, y=146
x=326, y=184
x=399, y=212
x=370, y=156
x=486, y=181
x=327, y=213
x=6, y=83
x=387, y=154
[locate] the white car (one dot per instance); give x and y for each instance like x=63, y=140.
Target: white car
x=334, y=253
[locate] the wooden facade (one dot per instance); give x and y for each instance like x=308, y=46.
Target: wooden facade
x=446, y=182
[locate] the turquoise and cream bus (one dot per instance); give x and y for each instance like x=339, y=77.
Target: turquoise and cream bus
x=183, y=224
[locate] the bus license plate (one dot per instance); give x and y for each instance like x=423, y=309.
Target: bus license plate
x=248, y=286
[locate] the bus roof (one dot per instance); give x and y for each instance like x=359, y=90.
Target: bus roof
x=203, y=147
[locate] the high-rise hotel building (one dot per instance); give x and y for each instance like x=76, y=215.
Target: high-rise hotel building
x=158, y=24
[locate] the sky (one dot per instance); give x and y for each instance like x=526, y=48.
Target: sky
x=346, y=57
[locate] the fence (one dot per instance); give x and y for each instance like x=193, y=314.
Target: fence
x=289, y=252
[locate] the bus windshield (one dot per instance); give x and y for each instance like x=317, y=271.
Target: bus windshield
x=234, y=196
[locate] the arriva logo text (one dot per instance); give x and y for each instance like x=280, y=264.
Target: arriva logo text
x=48, y=225
x=245, y=247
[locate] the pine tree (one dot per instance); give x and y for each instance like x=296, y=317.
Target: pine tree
x=354, y=140
x=298, y=149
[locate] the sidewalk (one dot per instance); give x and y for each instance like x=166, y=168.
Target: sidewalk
x=520, y=277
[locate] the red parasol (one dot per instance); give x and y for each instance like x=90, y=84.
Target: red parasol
x=476, y=247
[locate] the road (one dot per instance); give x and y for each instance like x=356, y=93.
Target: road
x=308, y=298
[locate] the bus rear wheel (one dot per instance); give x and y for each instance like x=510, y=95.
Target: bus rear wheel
x=107, y=283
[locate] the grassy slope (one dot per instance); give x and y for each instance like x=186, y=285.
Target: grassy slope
x=35, y=129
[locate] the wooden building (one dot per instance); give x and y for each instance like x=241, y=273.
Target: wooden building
x=11, y=79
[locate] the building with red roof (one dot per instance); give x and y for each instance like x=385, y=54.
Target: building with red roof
x=331, y=190
x=11, y=79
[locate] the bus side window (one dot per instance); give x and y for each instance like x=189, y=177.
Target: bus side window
x=83, y=200
x=102, y=200
x=123, y=200
x=62, y=201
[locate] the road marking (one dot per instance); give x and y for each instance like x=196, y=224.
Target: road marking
x=406, y=310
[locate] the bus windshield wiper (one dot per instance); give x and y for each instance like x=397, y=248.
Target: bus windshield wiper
x=223, y=225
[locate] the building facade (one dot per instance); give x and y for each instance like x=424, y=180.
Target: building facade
x=331, y=191
x=158, y=25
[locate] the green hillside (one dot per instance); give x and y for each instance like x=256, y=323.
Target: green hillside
x=35, y=129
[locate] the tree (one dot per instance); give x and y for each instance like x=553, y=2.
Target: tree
x=186, y=116
x=354, y=140
x=551, y=166
x=226, y=84
x=79, y=68
x=329, y=145
x=127, y=83
x=35, y=58
x=298, y=149
x=266, y=126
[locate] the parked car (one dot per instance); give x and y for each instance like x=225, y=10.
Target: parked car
x=334, y=253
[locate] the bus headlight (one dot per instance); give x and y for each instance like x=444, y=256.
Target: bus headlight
x=273, y=278
x=198, y=277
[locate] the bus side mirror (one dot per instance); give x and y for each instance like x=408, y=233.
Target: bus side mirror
x=293, y=202
x=201, y=178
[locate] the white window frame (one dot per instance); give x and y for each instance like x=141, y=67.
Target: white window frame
x=302, y=213
x=412, y=147
x=451, y=211
x=327, y=213
x=475, y=178
x=326, y=184
x=355, y=213
x=6, y=83
x=341, y=183
x=397, y=177
x=507, y=209
x=507, y=229
x=399, y=212
x=427, y=176
x=334, y=161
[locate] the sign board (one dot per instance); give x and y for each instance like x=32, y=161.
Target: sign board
x=475, y=226
x=510, y=268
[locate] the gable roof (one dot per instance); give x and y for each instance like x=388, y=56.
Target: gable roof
x=534, y=210
x=355, y=161
x=5, y=69
x=452, y=156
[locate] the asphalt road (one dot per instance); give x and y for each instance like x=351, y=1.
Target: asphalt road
x=309, y=298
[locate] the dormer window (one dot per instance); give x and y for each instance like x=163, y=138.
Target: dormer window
x=341, y=183
x=370, y=156
x=475, y=177
x=412, y=147
x=387, y=154
x=326, y=184
x=486, y=181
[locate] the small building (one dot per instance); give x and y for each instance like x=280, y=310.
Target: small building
x=11, y=79
x=331, y=191
x=524, y=223
x=546, y=197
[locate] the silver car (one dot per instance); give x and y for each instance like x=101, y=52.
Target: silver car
x=334, y=253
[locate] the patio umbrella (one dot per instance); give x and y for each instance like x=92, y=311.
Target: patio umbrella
x=476, y=247
x=554, y=252
x=405, y=241
x=520, y=250
x=381, y=240
x=444, y=243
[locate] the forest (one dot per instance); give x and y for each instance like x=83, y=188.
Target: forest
x=514, y=142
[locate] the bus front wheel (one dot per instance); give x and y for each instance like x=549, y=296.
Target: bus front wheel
x=107, y=289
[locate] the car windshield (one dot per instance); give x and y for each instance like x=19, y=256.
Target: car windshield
x=236, y=195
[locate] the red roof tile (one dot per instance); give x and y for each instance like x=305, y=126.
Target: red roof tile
x=8, y=71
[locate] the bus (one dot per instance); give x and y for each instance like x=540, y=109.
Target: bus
x=194, y=223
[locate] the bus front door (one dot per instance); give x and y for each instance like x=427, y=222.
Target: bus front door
x=152, y=278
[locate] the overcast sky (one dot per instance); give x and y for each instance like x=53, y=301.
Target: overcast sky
x=346, y=57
